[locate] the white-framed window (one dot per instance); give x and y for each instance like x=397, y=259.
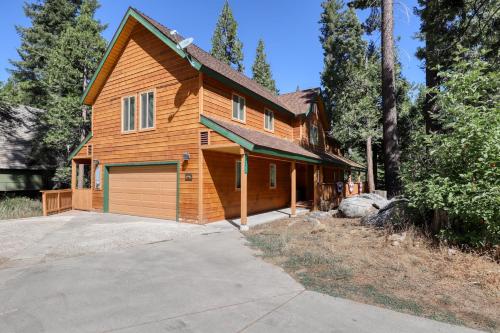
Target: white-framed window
x=97, y=177
x=237, y=171
x=272, y=175
x=269, y=120
x=239, y=108
x=313, y=134
x=128, y=114
x=147, y=102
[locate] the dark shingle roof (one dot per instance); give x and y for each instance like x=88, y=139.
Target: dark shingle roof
x=299, y=101
x=264, y=140
x=218, y=66
x=17, y=133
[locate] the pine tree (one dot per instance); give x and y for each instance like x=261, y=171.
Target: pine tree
x=262, y=70
x=351, y=78
x=49, y=18
x=72, y=63
x=225, y=43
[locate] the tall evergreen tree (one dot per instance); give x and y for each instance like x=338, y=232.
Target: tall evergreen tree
x=262, y=70
x=49, y=18
x=445, y=27
x=351, y=81
x=72, y=63
x=226, y=45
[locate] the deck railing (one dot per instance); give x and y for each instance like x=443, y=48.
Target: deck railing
x=56, y=201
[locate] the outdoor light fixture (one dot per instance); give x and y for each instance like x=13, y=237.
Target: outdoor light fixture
x=96, y=162
x=185, y=156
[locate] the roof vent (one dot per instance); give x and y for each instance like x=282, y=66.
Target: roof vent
x=203, y=138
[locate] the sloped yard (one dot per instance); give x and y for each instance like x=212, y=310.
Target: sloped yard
x=403, y=272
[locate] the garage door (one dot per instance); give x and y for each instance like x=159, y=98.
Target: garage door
x=143, y=190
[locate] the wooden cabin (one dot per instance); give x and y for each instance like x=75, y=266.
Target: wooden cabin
x=177, y=134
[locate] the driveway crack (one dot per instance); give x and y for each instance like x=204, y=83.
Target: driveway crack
x=271, y=311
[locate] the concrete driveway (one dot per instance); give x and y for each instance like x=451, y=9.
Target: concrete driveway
x=84, y=272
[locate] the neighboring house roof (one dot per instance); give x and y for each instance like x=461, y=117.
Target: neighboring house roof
x=17, y=132
x=299, y=102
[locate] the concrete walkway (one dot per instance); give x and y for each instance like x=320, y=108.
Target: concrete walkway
x=190, y=279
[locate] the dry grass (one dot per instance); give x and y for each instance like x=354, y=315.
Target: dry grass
x=19, y=207
x=348, y=260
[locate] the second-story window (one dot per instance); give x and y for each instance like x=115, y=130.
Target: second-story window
x=147, y=110
x=238, y=108
x=128, y=114
x=269, y=120
x=313, y=134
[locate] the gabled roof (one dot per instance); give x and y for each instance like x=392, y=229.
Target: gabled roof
x=16, y=138
x=198, y=58
x=259, y=142
x=299, y=102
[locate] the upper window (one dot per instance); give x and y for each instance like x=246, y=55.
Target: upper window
x=128, y=114
x=238, y=175
x=238, y=108
x=269, y=120
x=147, y=110
x=313, y=134
x=272, y=175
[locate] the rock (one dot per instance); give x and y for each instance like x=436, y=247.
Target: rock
x=381, y=193
x=452, y=252
x=395, y=243
x=333, y=212
x=361, y=205
x=319, y=214
x=312, y=220
x=395, y=213
x=318, y=228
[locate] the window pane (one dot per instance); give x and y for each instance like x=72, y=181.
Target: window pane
x=271, y=120
x=238, y=174
x=242, y=108
x=235, y=107
x=97, y=177
x=151, y=110
x=132, y=113
x=125, y=114
x=144, y=110
x=266, y=120
x=272, y=175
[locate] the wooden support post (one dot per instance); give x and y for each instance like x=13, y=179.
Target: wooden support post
x=316, y=191
x=58, y=202
x=244, y=192
x=44, y=203
x=293, y=203
x=73, y=174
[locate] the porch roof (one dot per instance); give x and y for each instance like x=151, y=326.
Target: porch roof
x=259, y=142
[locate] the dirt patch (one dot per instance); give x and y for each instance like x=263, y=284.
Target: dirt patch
x=403, y=272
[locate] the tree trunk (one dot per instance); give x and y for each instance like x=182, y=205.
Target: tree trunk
x=375, y=165
x=430, y=109
x=391, y=144
x=83, y=134
x=369, y=165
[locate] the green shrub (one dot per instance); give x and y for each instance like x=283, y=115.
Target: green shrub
x=457, y=169
x=19, y=207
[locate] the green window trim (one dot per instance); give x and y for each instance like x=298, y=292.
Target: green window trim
x=106, y=181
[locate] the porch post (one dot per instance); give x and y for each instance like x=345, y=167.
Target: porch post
x=293, y=176
x=73, y=174
x=244, y=191
x=316, y=183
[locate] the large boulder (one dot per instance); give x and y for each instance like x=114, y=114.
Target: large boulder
x=395, y=214
x=361, y=205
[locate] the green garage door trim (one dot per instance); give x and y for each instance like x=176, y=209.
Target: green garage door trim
x=106, y=181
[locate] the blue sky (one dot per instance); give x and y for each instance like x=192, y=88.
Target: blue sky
x=289, y=28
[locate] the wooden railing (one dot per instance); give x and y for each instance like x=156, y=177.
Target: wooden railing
x=56, y=201
x=82, y=199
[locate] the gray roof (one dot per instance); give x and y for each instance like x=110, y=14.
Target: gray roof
x=17, y=132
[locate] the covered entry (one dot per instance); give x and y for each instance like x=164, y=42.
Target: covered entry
x=142, y=189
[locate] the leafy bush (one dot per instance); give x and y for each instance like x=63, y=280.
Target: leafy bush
x=457, y=170
x=19, y=207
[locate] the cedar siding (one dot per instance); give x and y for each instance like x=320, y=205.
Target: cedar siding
x=146, y=64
